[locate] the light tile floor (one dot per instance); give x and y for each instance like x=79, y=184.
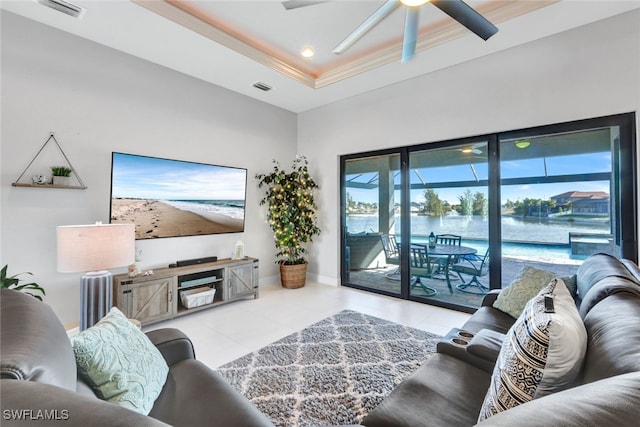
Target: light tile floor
x=226, y=332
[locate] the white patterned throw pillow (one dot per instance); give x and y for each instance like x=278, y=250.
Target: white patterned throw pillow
x=120, y=363
x=541, y=354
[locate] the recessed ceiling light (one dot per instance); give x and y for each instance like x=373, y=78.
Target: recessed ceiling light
x=307, y=52
x=522, y=143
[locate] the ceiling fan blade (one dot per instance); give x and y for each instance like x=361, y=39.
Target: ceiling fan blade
x=294, y=4
x=377, y=16
x=410, y=33
x=464, y=14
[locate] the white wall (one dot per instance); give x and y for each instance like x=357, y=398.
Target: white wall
x=98, y=100
x=587, y=72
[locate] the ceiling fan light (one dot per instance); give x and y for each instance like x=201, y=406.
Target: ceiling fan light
x=522, y=143
x=413, y=3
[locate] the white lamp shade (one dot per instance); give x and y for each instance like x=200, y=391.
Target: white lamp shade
x=95, y=247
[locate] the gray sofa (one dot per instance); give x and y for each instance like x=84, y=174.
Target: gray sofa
x=39, y=384
x=449, y=388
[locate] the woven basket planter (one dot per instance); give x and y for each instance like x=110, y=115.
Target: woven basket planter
x=293, y=276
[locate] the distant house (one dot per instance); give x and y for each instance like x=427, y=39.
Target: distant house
x=584, y=202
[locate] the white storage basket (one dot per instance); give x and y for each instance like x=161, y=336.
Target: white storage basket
x=196, y=297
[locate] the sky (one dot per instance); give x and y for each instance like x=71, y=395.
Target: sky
x=513, y=193
x=561, y=165
x=163, y=179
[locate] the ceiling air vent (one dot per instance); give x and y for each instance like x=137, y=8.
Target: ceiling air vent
x=64, y=7
x=262, y=86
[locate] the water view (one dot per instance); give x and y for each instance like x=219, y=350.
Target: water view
x=230, y=208
x=475, y=228
x=521, y=236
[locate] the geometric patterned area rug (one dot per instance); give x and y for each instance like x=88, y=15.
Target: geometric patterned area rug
x=333, y=372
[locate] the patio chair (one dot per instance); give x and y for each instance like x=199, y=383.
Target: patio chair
x=391, y=254
x=419, y=258
x=446, y=239
x=449, y=239
x=474, y=266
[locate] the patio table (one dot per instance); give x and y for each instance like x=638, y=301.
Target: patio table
x=450, y=251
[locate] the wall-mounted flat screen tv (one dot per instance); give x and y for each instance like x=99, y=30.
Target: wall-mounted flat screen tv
x=173, y=198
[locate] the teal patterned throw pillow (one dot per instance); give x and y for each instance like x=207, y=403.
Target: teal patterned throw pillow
x=514, y=297
x=120, y=363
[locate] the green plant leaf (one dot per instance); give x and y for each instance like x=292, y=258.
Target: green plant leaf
x=13, y=282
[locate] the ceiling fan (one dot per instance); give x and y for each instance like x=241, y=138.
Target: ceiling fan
x=457, y=9
x=473, y=148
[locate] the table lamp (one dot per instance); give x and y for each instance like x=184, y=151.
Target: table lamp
x=93, y=249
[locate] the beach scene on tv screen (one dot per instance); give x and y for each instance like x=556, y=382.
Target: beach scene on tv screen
x=171, y=198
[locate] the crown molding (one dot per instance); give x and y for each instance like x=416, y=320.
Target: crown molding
x=213, y=32
x=429, y=37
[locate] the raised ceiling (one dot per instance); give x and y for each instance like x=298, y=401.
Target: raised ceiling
x=234, y=44
x=258, y=32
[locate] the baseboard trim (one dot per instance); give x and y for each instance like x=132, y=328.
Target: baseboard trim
x=311, y=277
x=325, y=280
x=270, y=280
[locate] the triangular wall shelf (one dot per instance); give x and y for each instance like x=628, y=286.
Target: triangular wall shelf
x=81, y=185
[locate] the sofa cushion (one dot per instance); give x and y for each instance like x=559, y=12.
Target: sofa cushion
x=120, y=363
x=598, y=267
x=614, y=337
x=541, y=354
x=444, y=391
x=604, y=288
x=612, y=401
x=633, y=268
x=529, y=282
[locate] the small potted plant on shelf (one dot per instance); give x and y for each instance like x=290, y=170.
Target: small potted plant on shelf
x=61, y=175
x=13, y=282
x=291, y=216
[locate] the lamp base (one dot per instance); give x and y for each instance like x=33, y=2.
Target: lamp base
x=95, y=297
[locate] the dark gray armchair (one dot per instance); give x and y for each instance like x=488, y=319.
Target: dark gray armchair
x=38, y=377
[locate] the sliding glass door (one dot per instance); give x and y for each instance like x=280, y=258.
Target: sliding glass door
x=560, y=197
x=371, y=211
x=449, y=206
x=446, y=222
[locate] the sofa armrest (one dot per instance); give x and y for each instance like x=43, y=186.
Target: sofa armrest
x=614, y=401
x=486, y=344
x=490, y=297
x=456, y=344
x=173, y=344
x=27, y=403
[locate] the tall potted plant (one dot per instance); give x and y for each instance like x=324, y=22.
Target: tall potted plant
x=291, y=216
